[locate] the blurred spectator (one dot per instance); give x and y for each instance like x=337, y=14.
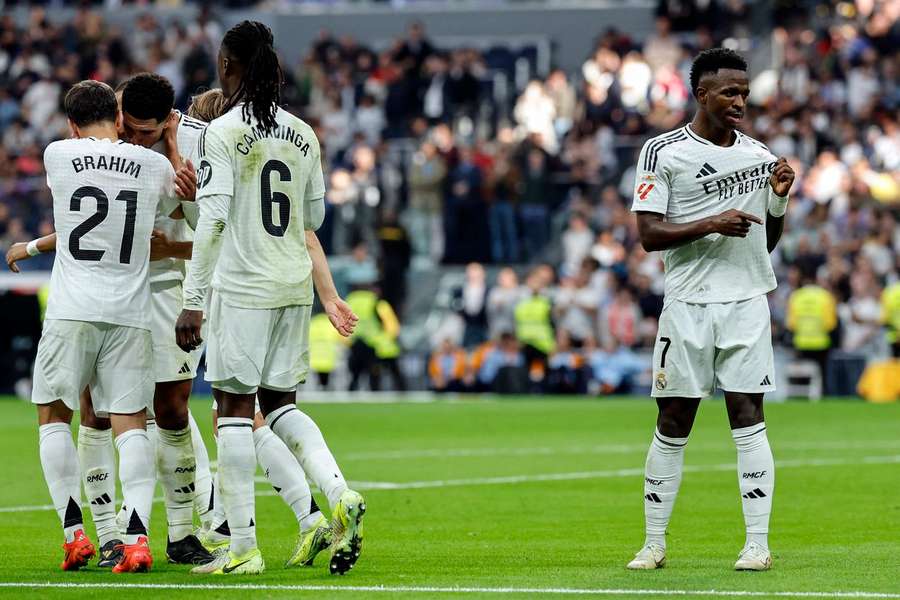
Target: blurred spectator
x=395, y=251
x=534, y=328
x=447, y=368
x=575, y=308
x=565, y=368
x=502, y=301
x=613, y=367
x=471, y=304
x=503, y=367
x=811, y=318
x=577, y=241
x=424, y=217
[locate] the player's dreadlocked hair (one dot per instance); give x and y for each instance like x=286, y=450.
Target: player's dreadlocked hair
x=710, y=61
x=250, y=42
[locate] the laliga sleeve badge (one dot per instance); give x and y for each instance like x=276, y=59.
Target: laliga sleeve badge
x=661, y=382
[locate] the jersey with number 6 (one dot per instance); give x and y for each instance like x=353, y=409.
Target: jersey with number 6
x=686, y=178
x=270, y=178
x=105, y=198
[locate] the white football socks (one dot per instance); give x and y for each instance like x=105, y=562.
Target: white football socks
x=202, y=477
x=662, y=478
x=237, y=467
x=285, y=475
x=175, y=466
x=59, y=460
x=756, y=479
x=305, y=440
x=98, y=461
x=137, y=473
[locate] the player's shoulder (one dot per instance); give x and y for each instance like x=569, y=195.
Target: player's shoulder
x=662, y=145
x=191, y=123
x=745, y=140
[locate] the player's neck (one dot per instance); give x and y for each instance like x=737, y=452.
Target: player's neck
x=717, y=134
x=99, y=131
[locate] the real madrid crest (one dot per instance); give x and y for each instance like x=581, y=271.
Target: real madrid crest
x=661, y=381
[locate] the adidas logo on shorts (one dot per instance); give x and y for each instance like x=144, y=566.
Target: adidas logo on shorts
x=185, y=369
x=765, y=381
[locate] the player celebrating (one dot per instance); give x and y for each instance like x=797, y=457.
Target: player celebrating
x=97, y=330
x=261, y=188
x=148, y=120
x=703, y=194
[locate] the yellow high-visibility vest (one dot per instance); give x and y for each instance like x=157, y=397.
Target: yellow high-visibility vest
x=890, y=312
x=324, y=344
x=533, y=326
x=812, y=315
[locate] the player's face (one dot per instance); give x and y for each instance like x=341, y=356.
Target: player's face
x=724, y=96
x=142, y=132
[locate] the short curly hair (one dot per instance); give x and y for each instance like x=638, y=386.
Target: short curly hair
x=710, y=61
x=148, y=96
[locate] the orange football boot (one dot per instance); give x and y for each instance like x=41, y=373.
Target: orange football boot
x=137, y=557
x=78, y=552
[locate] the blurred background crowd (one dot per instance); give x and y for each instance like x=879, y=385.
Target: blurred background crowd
x=522, y=176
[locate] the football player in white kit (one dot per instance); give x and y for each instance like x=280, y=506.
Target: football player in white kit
x=96, y=334
x=261, y=191
x=714, y=200
x=148, y=120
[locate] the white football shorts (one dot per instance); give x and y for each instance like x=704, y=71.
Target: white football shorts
x=248, y=348
x=114, y=360
x=170, y=363
x=701, y=347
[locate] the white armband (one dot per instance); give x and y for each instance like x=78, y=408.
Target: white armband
x=32, y=248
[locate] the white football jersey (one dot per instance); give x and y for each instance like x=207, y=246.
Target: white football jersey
x=269, y=177
x=105, y=198
x=686, y=178
x=187, y=138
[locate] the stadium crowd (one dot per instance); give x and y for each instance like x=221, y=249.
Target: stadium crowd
x=428, y=161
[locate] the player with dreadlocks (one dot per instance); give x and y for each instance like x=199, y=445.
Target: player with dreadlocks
x=261, y=195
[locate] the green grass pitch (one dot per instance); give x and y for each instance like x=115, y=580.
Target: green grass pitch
x=513, y=498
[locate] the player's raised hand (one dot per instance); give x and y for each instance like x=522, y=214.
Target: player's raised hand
x=16, y=252
x=187, y=329
x=734, y=222
x=782, y=177
x=341, y=316
x=186, y=182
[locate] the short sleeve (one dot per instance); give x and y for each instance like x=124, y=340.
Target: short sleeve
x=651, y=183
x=214, y=173
x=315, y=185
x=50, y=160
x=314, y=198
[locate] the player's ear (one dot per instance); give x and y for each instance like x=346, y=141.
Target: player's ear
x=701, y=95
x=73, y=128
x=120, y=122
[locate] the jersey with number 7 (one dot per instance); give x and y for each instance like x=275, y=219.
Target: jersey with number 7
x=269, y=179
x=105, y=198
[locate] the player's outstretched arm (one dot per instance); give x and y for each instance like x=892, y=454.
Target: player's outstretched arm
x=25, y=250
x=659, y=234
x=339, y=313
x=781, y=181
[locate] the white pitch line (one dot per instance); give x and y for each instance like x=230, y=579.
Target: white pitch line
x=449, y=590
x=571, y=476
x=597, y=449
